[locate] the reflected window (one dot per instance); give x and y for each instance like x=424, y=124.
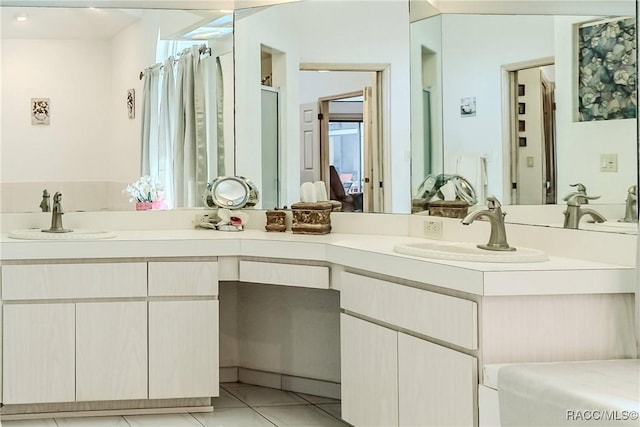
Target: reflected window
x=346, y=147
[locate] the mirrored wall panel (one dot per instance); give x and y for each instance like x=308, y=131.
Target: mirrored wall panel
x=533, y=109
x=340, y=72
x=74, y=103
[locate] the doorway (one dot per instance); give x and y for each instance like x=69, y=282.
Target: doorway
x=341, y=132
x=532, y=148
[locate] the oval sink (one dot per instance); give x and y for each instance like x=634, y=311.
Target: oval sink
x=462, y=251
x=38, y=234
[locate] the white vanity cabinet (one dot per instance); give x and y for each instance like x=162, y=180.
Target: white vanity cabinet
x=111, y=350
x=109, y=331
x=369, y=373
x=183, y=334
x=38, y=342
x=391, y=376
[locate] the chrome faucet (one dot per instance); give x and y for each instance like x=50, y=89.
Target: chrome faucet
x=498, y=236
x=581, y=193
x=575, y=212
x=44, y=204
x=631, y=205
x=56, y=216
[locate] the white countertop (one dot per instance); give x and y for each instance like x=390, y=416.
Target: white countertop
x=364, y=252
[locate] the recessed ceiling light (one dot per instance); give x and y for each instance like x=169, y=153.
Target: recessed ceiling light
x=324, y=71
x=21, y=17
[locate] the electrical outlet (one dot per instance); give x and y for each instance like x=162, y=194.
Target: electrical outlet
x=609, y=162
x=432, y=228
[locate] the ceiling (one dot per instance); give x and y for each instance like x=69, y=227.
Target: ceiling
x=65, y=23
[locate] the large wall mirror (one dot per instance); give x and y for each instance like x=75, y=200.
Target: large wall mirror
x=478, y=106
x=296, y=60
x=86, y=63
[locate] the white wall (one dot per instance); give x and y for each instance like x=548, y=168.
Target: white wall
x=317, y=31
x=75, y=75
x=314, y=85
x=135, y=49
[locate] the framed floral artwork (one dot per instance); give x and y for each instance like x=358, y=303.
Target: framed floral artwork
x=131, y=103
x=607, y=69
x=40, y=111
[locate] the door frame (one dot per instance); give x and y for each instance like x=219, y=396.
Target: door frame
x=382, y=121
x=509, y=133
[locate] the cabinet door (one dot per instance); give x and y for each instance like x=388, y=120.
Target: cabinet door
x=437, y=385
x=111, y=350
x=369, y=371
x=38, y=353
x=183, y=349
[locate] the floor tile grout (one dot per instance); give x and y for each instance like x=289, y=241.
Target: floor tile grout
x=197, y=420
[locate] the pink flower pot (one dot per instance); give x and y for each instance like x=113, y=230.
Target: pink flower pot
x=144, y=206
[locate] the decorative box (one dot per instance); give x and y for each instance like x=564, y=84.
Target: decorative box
x=311, y=218
x=276, y=221
x=449, y=209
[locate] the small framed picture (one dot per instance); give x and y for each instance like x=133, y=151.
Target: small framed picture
x=521, y=126
x=520, y=90
x=40, y=111
x=468, y=107
x=521, y=108
x=522, y=141
x=131, y=103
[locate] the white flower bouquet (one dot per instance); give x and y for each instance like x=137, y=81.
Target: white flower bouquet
x=146, y=191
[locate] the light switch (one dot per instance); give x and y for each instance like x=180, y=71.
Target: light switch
x=609, y=162
x=529, y=161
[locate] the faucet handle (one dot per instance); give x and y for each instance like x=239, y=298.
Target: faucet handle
x=580, y=187
x=574, y=199
x=493, y=202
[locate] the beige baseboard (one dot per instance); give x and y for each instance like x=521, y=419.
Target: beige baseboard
x=289, y=383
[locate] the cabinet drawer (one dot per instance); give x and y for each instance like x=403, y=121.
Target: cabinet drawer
x=435, y=315
x=304, y=276
x=183, y=278
x=56, y=281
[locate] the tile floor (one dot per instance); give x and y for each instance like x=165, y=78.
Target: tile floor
x=239, y=405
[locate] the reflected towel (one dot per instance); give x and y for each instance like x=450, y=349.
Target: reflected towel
x=474, y=169
x=561, y=394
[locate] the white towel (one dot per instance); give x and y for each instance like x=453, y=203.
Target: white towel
x=474, y=169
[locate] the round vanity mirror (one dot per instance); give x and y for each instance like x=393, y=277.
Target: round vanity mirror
x=227, y=192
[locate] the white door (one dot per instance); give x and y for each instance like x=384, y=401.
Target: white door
x=369, y=371
x=183, y=349
x=38, y=353
x=309, y=143
x=437, y=385
x=111, y=349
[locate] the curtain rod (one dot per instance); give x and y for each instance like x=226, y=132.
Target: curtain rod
x=204, y=50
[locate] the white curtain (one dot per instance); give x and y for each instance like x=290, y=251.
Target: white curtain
x=182, y=116
x=190, y=168
x=150, y=120
x=166, y=131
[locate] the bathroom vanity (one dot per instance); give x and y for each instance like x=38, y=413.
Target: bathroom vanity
x=132, y=324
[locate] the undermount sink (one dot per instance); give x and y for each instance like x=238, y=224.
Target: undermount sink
x=80, y=234
x=462, y=251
